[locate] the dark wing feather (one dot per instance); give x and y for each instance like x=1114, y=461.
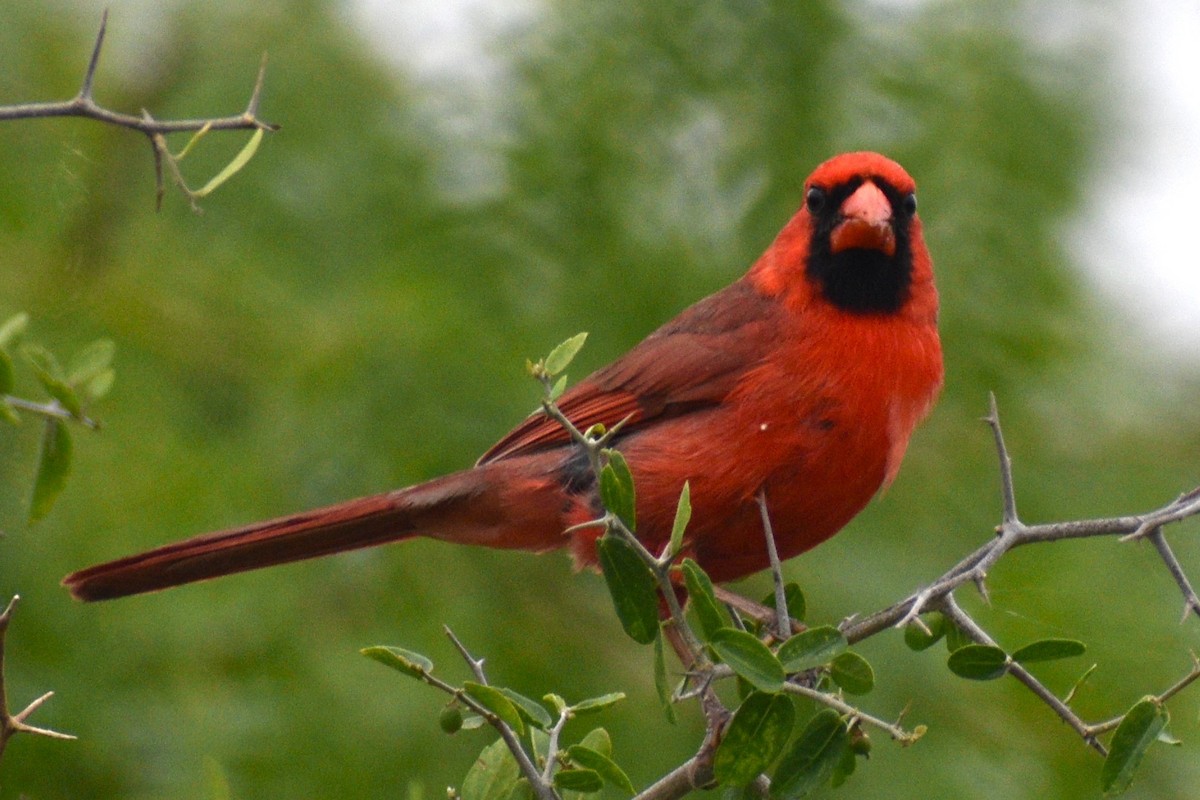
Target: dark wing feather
x=691, y=362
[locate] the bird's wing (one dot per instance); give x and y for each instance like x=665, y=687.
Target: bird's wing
x=690, y=363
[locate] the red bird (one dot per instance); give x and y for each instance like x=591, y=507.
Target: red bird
x=802, y=381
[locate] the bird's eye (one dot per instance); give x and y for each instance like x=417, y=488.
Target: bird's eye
x=815, y=200
x=910, y=203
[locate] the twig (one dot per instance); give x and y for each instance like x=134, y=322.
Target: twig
x=53, y=409
x=949, y=606
x=541, y=786
x=12, y=724
x=783, y=624
x=83, y=105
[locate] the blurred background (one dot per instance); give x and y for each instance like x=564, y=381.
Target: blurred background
x=461, y=185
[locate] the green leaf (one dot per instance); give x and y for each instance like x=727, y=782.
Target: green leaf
x=233, y=167
x=586, y=781
x=632, y=586
x=12, y=329
x=978, y=662
x=749, y=657
x=1049, y=650
x=493, y=776
x=661, y=684
x=794, y=597
x=703, y=601
x=844, y=768
x=1139, y=729
x=917, y=639
x=450, y=720
x=811, y=648
x=562, y=355
x=756, y=735
x=7, y=378
x=602, y=765
x=54, y=465
x=531, y=711
x=496, y=702
x=406, y=661
x=811, y=759
x=558, y=388
x=594, y=704
x=48, y=372
x=8, y=414
x=616, y=489
x=598, y=739
x=99, y=386
x=89, y=362
x=683, y=515
x=955, y=638
x=852, y=672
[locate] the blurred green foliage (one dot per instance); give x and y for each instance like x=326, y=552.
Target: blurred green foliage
x=352, y=313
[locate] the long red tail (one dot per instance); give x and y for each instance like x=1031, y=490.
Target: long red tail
x=502, y=505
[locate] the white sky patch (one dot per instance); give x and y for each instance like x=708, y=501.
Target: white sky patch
x=1140, y=234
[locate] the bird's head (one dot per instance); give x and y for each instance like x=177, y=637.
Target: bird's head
x=857, y=238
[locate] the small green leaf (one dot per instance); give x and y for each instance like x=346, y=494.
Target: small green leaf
x=794, y=597
x=451, y=719
x=749, y=657
x=493, y=776
x=616, y=489
x=1049, y=650
x=632, y=586
x=89, y=362
x=955, y=638
x=844, y=769
x=586, y=781
x=602, y=765
x=7, y=378
x=811, y=648
x=598, y=739
x=852, y=672
x=594, y=704
x=558, y=388
x=917, y=639
x=756, y=735
x=1139, y=729
x=233, y=167
x=48, y=372
x=683, y=515
x=12, y=329
x=661, y=684
x=703, y=601
x=531, y=711
x=813, y=756
x=562, y=355
x=495, y=701
x=8, y=414
x=54, y=465
x=406, y=661
x=99, y=386
x=978, y=662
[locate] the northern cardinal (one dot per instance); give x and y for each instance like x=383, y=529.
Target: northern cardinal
x=802, y=381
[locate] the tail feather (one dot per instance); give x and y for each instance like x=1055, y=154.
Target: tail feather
x=346, y=526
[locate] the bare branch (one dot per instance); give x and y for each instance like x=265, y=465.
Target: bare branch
x=783, y=623
x=84, y=106
x=12, y=724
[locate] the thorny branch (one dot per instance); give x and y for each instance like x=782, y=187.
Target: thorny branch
x=84, y=105
x=1012, y=533
x=12, y=724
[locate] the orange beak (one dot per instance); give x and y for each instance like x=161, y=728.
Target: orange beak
x=866, y=222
